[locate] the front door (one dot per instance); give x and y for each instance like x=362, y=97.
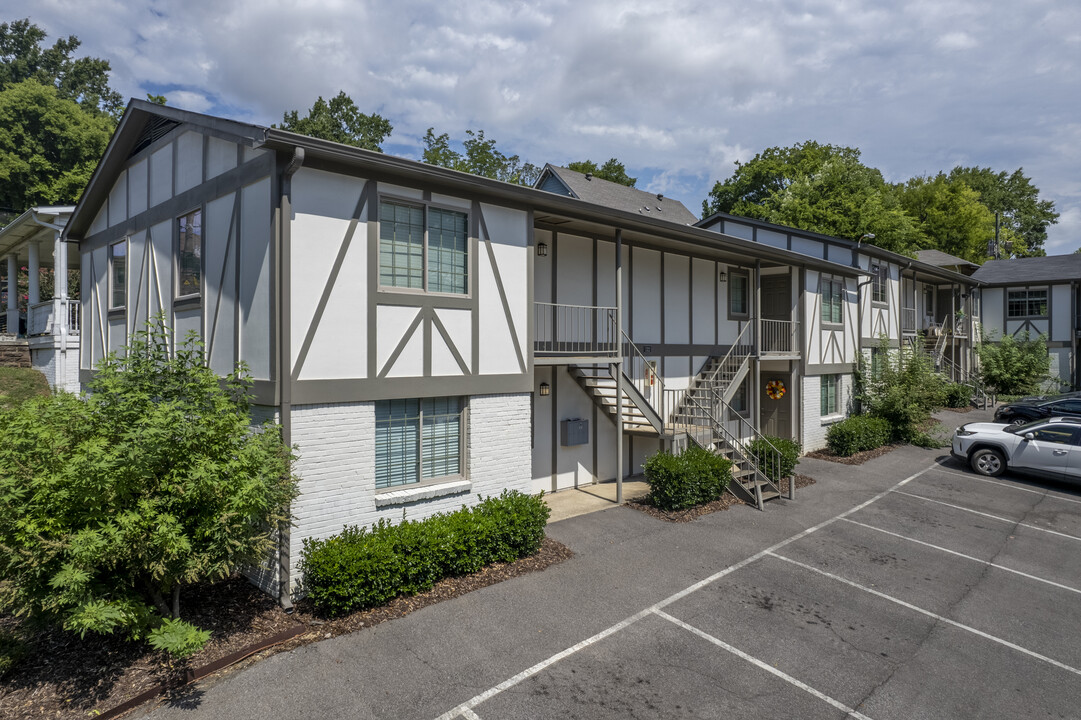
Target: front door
x=776, y=416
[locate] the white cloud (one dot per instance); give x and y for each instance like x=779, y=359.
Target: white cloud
x=957, y=41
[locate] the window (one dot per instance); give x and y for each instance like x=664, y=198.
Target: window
x=928, y=301
x=833, y=296
x=881, y=274
x=118, y=273
x=830, y=390
x=738, y=293
x=189, y=255
x=417, y=440
x=412, y=236
x=1026, y=303
x=739, y=400
x=876, y=363
x=1058, y=434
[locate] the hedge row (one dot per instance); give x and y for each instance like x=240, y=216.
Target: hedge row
x=693, y=477
x=364, y=568
x=858, y=433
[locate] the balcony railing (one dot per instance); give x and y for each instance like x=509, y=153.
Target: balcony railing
x=908, y=320
x=47, y=318
x=574, y=330
x=780, y=337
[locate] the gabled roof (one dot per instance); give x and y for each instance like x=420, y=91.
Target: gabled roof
x=941, y=259
x=611, y=194
x=1025, y=271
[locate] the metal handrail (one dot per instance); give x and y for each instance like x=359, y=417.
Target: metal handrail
x=562, y=329
x=778, y=336
x=958, y=375
x=643, y=374
x=908, y=319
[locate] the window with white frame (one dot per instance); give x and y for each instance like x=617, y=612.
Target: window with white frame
x=739, y=284
x=118, y=274
x=833, y=296
x=928, y=300
x=189, y=255
x=418, y=440
x=739, y=399
x=879, y=289
x=423, y=248
x=1026, y=303
x=831, y=387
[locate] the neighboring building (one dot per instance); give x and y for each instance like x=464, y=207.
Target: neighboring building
x=945, y=260
x=584, y=186
x=46, y=334
x=1040, y=296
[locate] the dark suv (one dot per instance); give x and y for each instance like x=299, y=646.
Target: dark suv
x=1038, y=409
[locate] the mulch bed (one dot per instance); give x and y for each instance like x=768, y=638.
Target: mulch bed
x=64, y=676
x=857, y=459
x=643, y=504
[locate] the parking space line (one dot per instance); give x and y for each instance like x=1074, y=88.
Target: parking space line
x=764, y=666
x=962, y=555
x=989, y=515
x=967, y=476
x=469, y=714
x=459, y=711
x=935, y=616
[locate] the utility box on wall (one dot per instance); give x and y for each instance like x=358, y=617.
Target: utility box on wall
x=573, y=432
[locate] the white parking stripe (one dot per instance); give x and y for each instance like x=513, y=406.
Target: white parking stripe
x=469, y=714
x=765, y=666
x=460, y=710
x=962, y=555
x=989, y=515
x=1007, y=485
x=935, y=616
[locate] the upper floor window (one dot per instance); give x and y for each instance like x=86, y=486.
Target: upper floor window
x=118, y=273
x=880, y=273
x=189, y=255
x=1026, y=303
x=833, y=295
x=423, y=248
x=738, y=293
x=417, y=440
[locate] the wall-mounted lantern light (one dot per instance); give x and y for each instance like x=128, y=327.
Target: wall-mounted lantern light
x=722, y=276
x=545, y=389
x=542, y=249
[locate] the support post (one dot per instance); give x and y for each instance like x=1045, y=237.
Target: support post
x=618, y=365
x=61, y=321
x=757, y=394
x=33, y=280
x=13, y=294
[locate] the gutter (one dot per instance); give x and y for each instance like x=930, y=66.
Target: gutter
x=285, y=375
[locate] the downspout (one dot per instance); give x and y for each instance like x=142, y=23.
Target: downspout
x=285, y=374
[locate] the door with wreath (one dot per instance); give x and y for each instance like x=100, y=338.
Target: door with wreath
x=776, y=404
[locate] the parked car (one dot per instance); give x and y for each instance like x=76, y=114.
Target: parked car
x=1037, y=409
x=1049, y=448
x=1060, y=396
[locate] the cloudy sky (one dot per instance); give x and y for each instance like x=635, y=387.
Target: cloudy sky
x=677, y=90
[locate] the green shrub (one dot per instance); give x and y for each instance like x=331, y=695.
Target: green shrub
x=367, y=567
x=12, y=652
x=1014, y=365
x=856, y=434
x=693, y=477
x=112, y=503
x=903, y=391
x=956, y=395
x=775, y=465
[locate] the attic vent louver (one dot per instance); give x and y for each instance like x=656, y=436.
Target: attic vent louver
x=155, y=128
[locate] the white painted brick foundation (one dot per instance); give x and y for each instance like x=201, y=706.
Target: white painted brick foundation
x=814, y=427
x=336, y=465
x=43, y=357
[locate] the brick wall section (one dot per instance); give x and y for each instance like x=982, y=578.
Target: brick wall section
x=814, y=429
x=44, y=359
x=14, y=354
x=336, y=448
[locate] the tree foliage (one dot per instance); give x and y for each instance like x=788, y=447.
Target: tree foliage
x=340, y=121
x=1014, y=365
x=83, y=80
x=949, y=215
x=481, y=157
x=1024, y=217
x=111, y=503
x=612, y=170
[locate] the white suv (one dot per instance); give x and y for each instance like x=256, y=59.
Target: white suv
x=1050, y=448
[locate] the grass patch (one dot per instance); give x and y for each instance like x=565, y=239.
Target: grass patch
x=17, y=385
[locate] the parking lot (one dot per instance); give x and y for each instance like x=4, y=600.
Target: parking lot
x=944, y=595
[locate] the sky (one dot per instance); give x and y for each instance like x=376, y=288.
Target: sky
x=678, y=91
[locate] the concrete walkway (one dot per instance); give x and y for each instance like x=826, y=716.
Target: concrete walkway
x=566, y=504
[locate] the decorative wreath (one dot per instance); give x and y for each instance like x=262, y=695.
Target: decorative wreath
x=775, y=389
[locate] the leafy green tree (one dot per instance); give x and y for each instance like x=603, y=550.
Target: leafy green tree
x=1014, y=365
x=156, y=99
x=1024, y=217
x=613, y=171
x=950, y=215
x=339, y=120
x=84, y=80
x=49, y=145
x=481, y=157
x=111, y=504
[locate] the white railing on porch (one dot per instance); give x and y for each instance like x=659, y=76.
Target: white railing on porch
x=574, y=330
x=46, y=318
x=908, y=320
x=780, y=336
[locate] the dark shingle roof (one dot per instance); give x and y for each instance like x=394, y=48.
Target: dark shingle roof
x=1023, y=271
x=620, y=197
x=941, y=259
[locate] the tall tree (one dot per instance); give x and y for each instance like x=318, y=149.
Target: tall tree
x=49, y=145
x=950, y=215
x=84, y=80
x=613, y=170
x=481, y=157
x=1022, y=213
x=339, y=120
